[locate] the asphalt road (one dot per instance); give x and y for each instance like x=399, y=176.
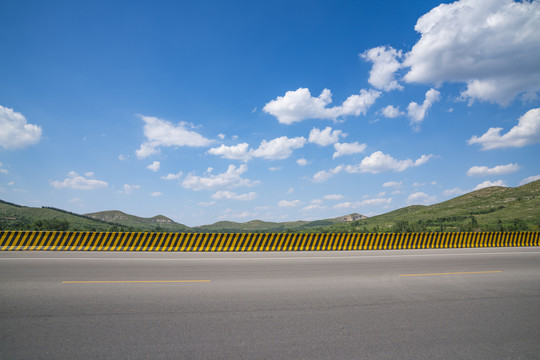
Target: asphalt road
x=460, y=304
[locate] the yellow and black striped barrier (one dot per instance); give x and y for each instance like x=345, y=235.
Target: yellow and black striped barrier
x=136, y=241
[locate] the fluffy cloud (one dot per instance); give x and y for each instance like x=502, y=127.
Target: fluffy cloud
x=367, y=202
x=231, y=178
x=313, y=207
x=325, y=175
x=497, y=170
x=280, y=148
x=333, y=197
x=394, y=184
x=176, y=176
x=229, y=195
x=380, y=162
x=348, y=149
x=324, y=137
x=128, y=189
x=276, y=149
x=526, y=132
x=15, y=132
x=292, y=203
x=529, y=179
x=299, y=105
x=453, y=192
x=417, y=113
x=154, y=166
x=385, y=64
x=156, y=194
x=491, y=45
x=236, y=152
x=488, y=183
x=391, y=112
x=162, y=133
x=78, y=182
x=420, y=198
x=302, y=162
x=2, y=170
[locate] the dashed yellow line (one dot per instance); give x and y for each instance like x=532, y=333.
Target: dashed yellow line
x=454, y=273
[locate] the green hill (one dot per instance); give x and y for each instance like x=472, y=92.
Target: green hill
x=159, y=222
x=489, y=209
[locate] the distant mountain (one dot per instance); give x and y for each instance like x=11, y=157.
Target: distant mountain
x=119, y=217
x=490, y=209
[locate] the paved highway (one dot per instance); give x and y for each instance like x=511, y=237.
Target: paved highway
x=407, y=304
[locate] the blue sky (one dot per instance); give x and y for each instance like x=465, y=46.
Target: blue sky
x=284, y=110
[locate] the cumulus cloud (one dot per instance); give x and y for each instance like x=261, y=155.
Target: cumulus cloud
x=453, y=192
x=128, y=189
x=324, y=137
x=299, y=105
x=78, y=182
x=385, y=64
x=497, y=170
x=417, y=113
x=276, y=149
x=231, y=178
x=313, y=207
x=302, y=162
x=324, y=175
x=348, y=149
x=492, y=46
x=154, y=166
x=292, y=203
x=391, y=112
x=176, y=176
x=162, y=133
x=367, y=202
x=526, y=132
x=488, y=183
x=229, y=195
x=529, y=179
x=394, y=184
x=15, y=132
x=420, y=198
x=333, y=197
x=380, y=162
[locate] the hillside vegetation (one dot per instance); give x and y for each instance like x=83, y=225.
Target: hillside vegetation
x=489, y=209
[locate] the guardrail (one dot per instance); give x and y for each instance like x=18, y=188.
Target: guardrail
x=136, y=241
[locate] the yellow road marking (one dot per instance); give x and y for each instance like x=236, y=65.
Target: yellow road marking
x=133, y=281
x=454, y=273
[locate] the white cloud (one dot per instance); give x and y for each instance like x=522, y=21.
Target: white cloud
x=236, y=152
x=3, y=170
x=128, y=189
x=229, y=195
x=313, y=207
x=324, y=175
x=488, y=183
x=380, y=162
x=529, y=179
x=302, y=162
x=385, y=64
x=420, y=198
x=275, y=168
x=78, y=182
x=156, y=194
x=348, y=149
x=276, y=149
x=391, y=112
x=123, y=157
x=75, y=200
x=333, y=197
x=176, y=176
x=163, y=133
x=367, y=202
x=497, y=170
x=280, y=148
x=231, y=178
x=324, y=137
x=154, y=166
x=221, y=136
x=453, y=192
x=526, y=132
x=492, y=46
x=417, y=113
x=394, y=184
x=299, y=105
x=292, y=203
x=15, y=132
